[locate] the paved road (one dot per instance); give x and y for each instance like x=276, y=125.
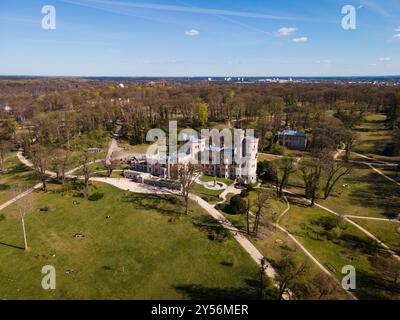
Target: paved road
x=21, y=195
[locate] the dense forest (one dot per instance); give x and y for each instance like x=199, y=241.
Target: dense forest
x=55, y=111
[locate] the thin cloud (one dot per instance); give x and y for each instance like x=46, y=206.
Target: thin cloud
x=376, y=8
x=192, y=33
x=300, y=40
x=174, y=8
x=397, y=36
x=385, y=59
x=286, y=31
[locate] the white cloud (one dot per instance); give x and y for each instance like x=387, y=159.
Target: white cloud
x=300, y=40
x=385, y=59
x=192, y=33
x=397, y=36
x=286, y=31
x=397, y=29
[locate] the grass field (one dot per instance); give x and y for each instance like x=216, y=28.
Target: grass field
x=274, y=245
x=346, y=247
x=144, y=251
x=367, y=194
x=387, y=232
x=372, y=137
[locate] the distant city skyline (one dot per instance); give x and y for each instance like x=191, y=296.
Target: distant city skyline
x=194, y=38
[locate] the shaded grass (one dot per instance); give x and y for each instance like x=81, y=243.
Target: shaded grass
x=349, y=247
x=146, y=250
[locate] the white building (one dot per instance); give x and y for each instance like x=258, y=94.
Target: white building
x=238, y=163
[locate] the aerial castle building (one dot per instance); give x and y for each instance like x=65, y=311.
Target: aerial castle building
x=237, y=163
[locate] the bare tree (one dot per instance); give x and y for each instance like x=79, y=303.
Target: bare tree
x=59, y=163
x=282, y=169
x=261, y=271
x=41, y=161
x=85, y=160
x=5, y=147
x=311, y=171
x=261, y=203
x=333, y=172
x=323, y=285
x=349, y=137
x=186, y=174
x=288, y=274
x=24, y=205
x=248, y=211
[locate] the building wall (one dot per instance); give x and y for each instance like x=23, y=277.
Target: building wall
x=246, y=170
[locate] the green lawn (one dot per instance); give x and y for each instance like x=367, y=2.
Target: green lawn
x=274, y=245
x=387, y=232
x=367, y=194
x=372, y=136
x=211, y=179
x=348, y=247
x=145, y=251
x=17, y=174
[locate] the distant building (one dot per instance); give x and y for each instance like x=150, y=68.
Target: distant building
x=293, y=139
x=94, y=150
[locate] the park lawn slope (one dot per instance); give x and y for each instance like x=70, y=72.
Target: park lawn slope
x=386, y=231
x=343, y=246
x=145, y=250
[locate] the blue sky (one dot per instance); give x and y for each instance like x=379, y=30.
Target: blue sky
x=200, y=38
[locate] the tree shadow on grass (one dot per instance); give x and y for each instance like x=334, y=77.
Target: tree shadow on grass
x=207, y=224
x=376, y=287
x=379, y=193
x=11, y=245
x=164, y=204
x=366, y=246
x=249, y=291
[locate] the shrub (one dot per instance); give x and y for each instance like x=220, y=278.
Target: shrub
x=244, y=194
x=96, y=196
x=278, y=149
x=265, y=171
x=328, y=222
x=249, y=187
x=44, y=209
x=4, y=187
x=2, y=217
x=237, y=205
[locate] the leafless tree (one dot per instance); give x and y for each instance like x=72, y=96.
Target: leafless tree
x=24, y=205
x=85, y=160
x=5, y=147
x=41, y=160
x=288, y=274
x=349, y=137
x=261, y=203
x=311, y=171
x=186, y=174
x=323, y=285
x=282, y=169
x=333, y=171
